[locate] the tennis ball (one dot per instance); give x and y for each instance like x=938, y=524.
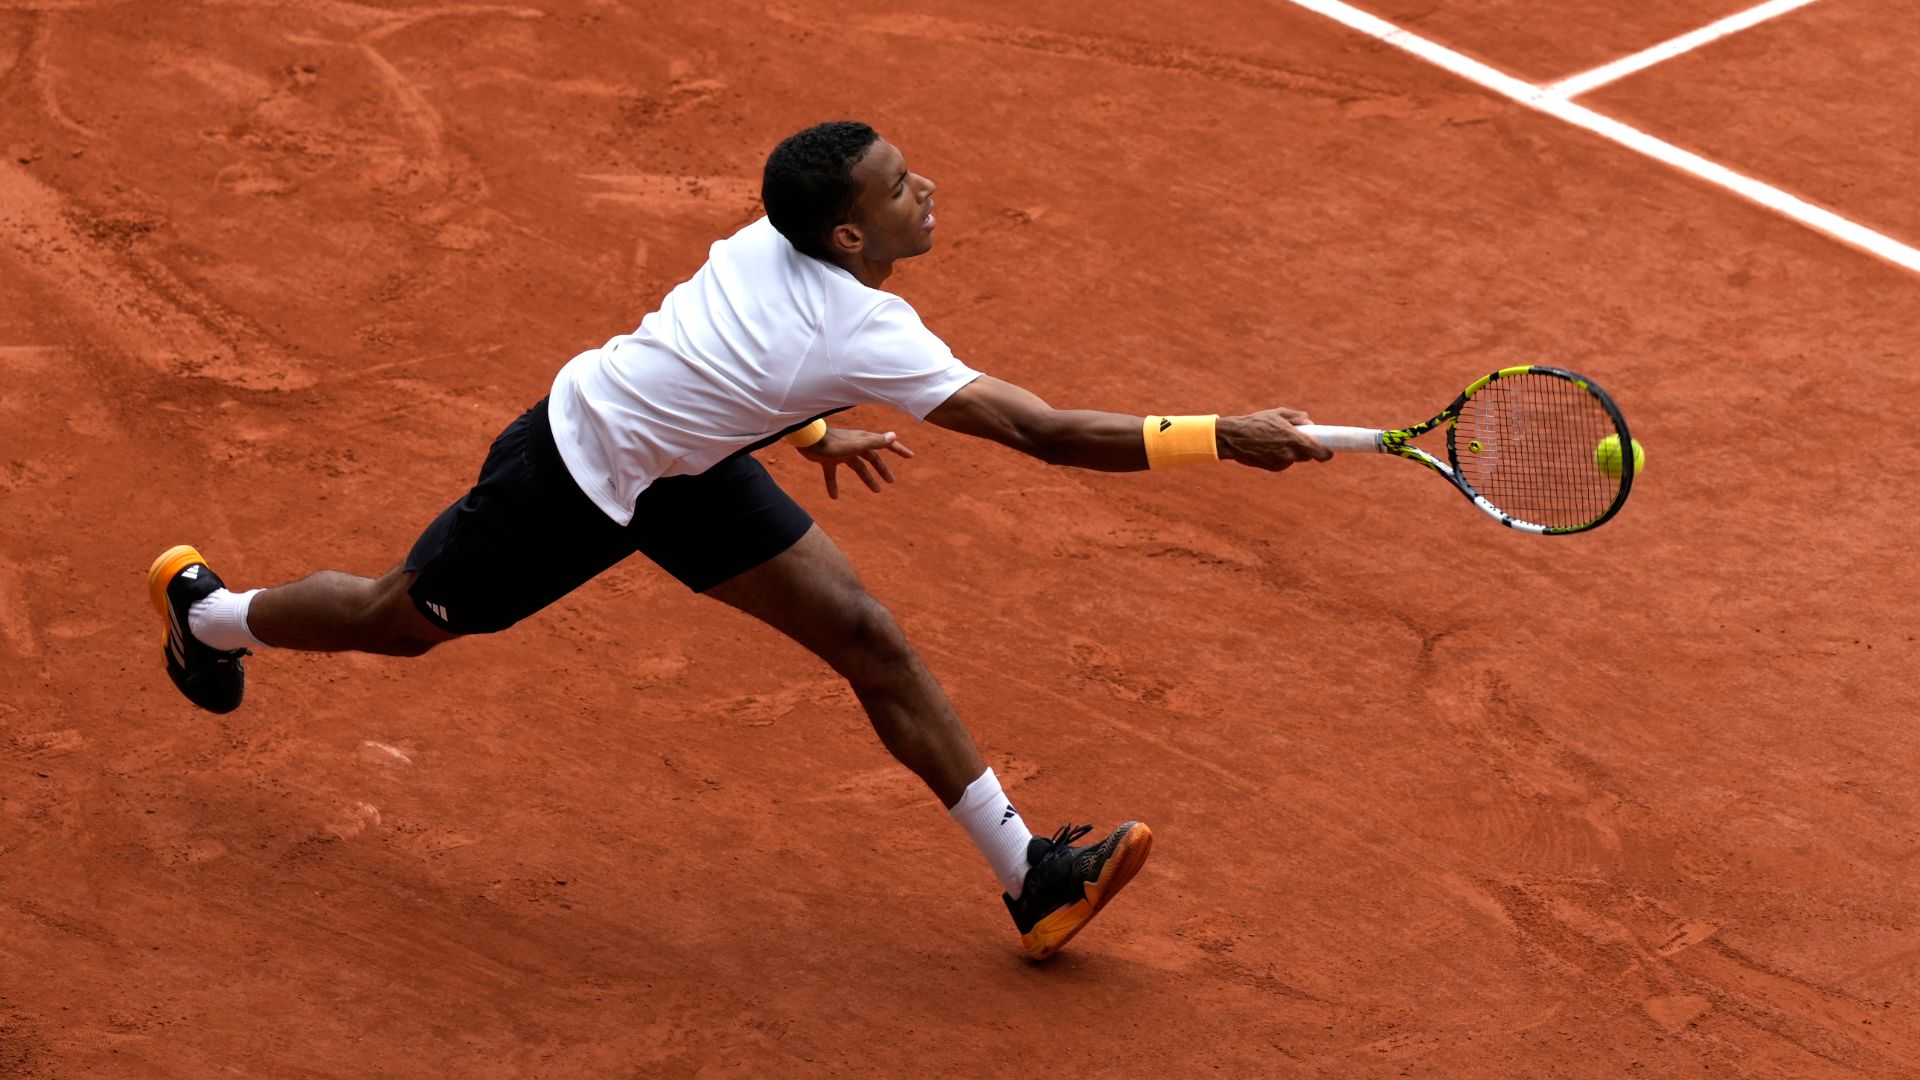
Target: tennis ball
x=1606, y=456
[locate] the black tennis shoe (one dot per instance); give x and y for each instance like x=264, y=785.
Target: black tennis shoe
x=211, y=678
x=1067, y=886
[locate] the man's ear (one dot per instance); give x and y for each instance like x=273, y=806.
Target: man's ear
x=847, y=239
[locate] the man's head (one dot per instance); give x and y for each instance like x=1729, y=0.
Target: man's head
x=839, y=192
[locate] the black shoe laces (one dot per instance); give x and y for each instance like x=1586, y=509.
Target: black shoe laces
x=1068, y=834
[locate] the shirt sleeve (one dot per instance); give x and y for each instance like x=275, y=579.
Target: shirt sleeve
x=893, y=359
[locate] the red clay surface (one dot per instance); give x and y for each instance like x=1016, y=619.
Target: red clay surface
x=1546, y=42
x=1821, y=101
x=1430, y=798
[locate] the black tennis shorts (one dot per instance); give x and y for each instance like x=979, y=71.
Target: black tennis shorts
x=526, y=535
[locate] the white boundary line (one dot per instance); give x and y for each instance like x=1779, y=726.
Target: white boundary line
x=1575, y=85
x=1546, y=101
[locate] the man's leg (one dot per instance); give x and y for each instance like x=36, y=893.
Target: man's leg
x=335, y=612
x=522, y=537
x=810, y=593
x=211, y=629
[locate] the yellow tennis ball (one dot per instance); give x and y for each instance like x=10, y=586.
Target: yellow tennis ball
x=1606, y=456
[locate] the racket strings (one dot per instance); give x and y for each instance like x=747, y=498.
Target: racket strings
x=1537, y=435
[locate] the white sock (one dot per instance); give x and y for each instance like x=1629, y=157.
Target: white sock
x=219, y=620
x=996, y=830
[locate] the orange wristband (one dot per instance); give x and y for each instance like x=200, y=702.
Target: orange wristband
x=1179, y=440
x=809, y=435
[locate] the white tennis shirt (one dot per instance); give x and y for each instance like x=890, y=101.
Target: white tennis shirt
x=763, y=338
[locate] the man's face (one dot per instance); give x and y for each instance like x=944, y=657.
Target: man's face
x=894, y=214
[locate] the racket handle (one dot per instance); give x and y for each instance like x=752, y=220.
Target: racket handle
x=1345, y=440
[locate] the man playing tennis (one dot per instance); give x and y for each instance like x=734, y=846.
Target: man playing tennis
x=645, y=444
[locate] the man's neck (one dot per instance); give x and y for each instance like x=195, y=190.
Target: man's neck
x=870, y=274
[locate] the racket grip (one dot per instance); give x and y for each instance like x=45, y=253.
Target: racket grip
x=1345, y=440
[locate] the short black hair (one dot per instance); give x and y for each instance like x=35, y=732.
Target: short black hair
x=808, y=186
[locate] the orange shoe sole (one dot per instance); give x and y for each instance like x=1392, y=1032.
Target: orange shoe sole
x=171, y=562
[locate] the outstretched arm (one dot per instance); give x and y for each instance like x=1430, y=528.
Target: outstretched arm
x=990, y=408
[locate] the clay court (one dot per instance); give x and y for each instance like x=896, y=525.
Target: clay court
x=1431, y=798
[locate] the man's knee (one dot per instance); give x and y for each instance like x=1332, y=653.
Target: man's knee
x=395, y=624
x=405, y=634
x=872, y=646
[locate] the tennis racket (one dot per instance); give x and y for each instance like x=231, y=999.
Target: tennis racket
x=1523, y=443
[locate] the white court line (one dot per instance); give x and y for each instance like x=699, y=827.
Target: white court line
x=1546, y=101
x=1575, y=85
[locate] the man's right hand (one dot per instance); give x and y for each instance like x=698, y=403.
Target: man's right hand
x=1268, y=440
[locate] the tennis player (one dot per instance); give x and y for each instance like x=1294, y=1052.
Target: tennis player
x=646, y=444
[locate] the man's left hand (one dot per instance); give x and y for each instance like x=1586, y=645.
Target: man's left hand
x=857, y=450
